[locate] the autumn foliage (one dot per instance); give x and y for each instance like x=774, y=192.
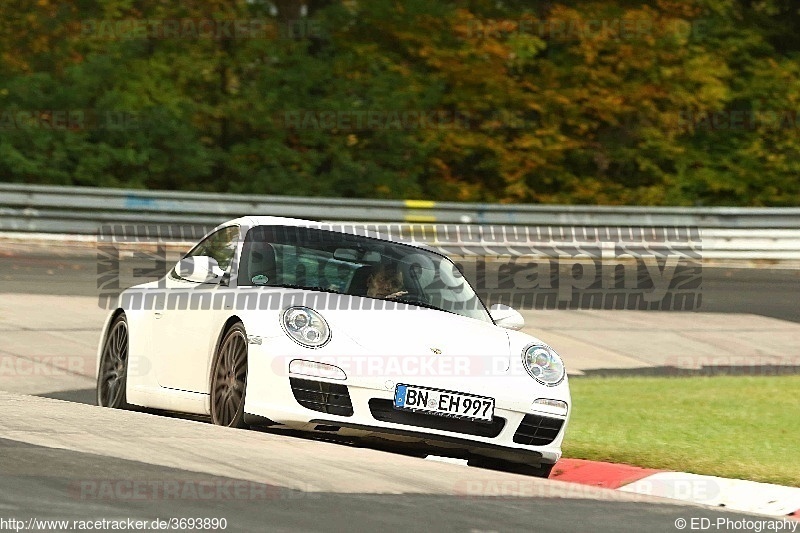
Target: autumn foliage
x=654, y=103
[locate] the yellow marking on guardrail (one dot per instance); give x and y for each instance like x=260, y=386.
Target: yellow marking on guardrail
x=420, y=218
x=420, y=204
x=412, y=216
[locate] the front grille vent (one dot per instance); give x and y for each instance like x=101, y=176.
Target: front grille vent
x=536, y=430
x=331, y=398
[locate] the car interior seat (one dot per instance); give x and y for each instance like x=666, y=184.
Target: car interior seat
x=258, y=259
x=358, y=283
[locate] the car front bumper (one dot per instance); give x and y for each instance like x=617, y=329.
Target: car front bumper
x=271, y=397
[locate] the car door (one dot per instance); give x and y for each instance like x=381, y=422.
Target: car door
x=186, y=330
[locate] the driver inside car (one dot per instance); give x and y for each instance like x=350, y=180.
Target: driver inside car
x=386, y=281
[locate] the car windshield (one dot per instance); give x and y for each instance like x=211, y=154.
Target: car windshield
x=342, y=263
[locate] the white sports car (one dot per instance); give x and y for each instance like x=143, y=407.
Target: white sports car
x=291, y=323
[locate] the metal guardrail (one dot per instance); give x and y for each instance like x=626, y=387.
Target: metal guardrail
x=725, y=232
x=82, y=209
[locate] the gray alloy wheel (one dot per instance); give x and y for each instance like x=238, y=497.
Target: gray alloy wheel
x=229, y=379
x=112, y=376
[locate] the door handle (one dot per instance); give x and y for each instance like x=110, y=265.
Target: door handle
x=159, y=314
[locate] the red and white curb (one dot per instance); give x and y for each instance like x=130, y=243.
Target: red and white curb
x=734, y=494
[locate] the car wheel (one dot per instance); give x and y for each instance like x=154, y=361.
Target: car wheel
x=112, y=376
x=229, y=379
x=542, y=470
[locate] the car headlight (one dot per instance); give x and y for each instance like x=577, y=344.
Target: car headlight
x=543, y=364
x=305, y=326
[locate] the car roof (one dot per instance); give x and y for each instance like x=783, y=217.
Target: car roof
x=261, y=220
x=353, y=228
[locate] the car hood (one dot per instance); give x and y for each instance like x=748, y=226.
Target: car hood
x=422, y=346
x=411, y=330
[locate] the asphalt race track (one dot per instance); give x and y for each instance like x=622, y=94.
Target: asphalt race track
x=63, y=459
x=76, y=462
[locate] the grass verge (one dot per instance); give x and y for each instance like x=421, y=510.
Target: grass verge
x=728, y=426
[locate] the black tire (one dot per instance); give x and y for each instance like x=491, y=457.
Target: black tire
x=229, y=379
x=112, y=375
x=543, y=470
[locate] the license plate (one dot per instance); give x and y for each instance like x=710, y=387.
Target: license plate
x=444, y=403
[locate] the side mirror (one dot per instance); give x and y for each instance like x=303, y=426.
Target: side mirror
x=506, y=317
x=200, y=269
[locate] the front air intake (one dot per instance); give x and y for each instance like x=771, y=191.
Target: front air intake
x=330, y=398
x=538, y=430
